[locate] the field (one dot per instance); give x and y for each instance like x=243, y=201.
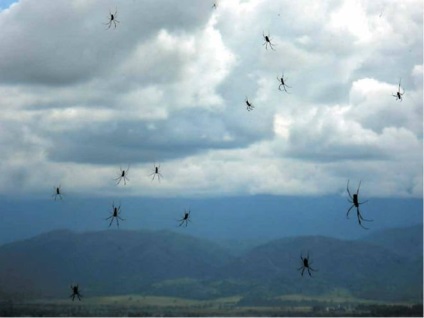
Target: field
x=137, y=305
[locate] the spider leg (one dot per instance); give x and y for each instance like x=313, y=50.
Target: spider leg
x=309, y=272
x=300, y=268
x=362, y=218
x=109, y=217
x=347, y=214
x=303, y=269
x=111, y=222
x=117, y=222
x=120, y=218
x=347, y=188
x=363, y=202
x=359, y=185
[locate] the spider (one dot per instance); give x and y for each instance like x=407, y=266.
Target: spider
x=115, y=214
x=123, y=176
x=306, y=264
x=156, y=173
x=214, y=5
x=398, y=93
x=355, y=203
x=75, y=292
x=57, y=193
x=282, y=83
x=185, y=219
x=112, y=19
x=267, y=41
x=249, y=106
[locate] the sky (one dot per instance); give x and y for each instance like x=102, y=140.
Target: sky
x=167, y=87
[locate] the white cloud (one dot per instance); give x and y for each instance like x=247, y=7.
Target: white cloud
x=169, y=83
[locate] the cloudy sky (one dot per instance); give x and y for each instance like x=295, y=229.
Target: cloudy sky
x=168, y=85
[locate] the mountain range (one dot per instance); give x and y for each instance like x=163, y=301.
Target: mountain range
x=386, y=265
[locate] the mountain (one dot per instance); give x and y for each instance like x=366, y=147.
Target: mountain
x=365, y=269
x=105, y=263
x=406, y=242
x=118, y=262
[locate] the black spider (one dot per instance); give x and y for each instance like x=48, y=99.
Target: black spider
x=398, y=93
x=112, y=19
x=185, y=219
x=306, y=264
x=75, y=292
x=57, y=193
x=156, y=173
x=123, y=176
x=354, y=199
x=249, y=105
x=267, y=41
x=282, y=83
x=116, y=210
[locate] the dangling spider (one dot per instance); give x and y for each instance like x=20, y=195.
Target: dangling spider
x=249, y=106
x=112, y=19
x=185, y=219
x=355, y=203
x=116, y=211
x=267, y=41
x=156, y=173
x=122, y=176
x=282, y=83
x=306, y=264
x=75, y=292
x=398, y=93
x=57, y=193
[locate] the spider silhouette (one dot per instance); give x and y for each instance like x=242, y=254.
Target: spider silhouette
x=282, y=83
x=214, y=5
x=306, y=264
x=57, y=193
x=112, y=19
x=156, y=173
x=267, y=41
x=75, y=292
x=249, y=105
x=185, y=219
x=116, y=211
x=354, y=199
x=398, y=93
x=122, y=176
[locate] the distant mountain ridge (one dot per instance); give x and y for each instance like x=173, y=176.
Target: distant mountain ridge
x=166, y=263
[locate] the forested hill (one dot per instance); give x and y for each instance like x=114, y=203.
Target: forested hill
x=382, y=266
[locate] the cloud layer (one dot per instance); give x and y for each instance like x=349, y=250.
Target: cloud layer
x=168, y=85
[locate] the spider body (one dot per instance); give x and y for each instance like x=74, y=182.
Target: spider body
x=267, y=42
x=122, y=176
x=185, y=219
x=306, y=264
x=57, y=193
x=398, y=93
x=283, y=84
x=112, y=19
x=249, y=105
x=354, y=199
x=116, y=211
x=156, y=172
x=75, y=292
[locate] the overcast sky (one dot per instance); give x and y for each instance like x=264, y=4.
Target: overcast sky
x=168, y=86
